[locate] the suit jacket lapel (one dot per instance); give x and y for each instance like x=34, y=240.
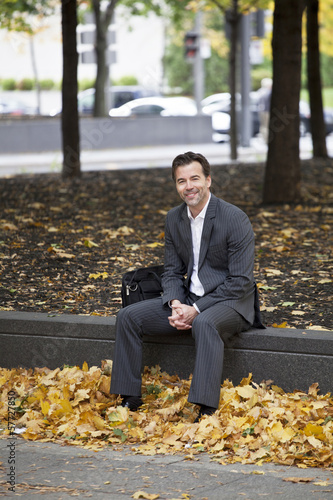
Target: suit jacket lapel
x=207, y=229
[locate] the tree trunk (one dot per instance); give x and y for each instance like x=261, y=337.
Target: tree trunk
x=69, y=116
x=102, y=20
x=283, y=168
x=233, y=19
x=317, y=122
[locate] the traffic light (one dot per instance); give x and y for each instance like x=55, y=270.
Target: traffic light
x=191, y=45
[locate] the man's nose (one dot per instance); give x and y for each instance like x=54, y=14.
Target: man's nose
x=189, y=185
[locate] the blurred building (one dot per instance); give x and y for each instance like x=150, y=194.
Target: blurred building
x=139, y=48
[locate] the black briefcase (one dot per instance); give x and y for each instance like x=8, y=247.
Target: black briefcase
x=142, y=284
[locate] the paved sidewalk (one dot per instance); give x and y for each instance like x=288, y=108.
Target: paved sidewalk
x=61, y=472
x=114, y=159
x=144, y=157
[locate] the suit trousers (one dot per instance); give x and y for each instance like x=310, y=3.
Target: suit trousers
x=210, y=330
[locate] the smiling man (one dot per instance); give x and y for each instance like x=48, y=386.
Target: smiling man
x=208, y=288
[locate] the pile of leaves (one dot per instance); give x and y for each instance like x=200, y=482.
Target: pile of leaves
x=253, y=424
x=64, y=245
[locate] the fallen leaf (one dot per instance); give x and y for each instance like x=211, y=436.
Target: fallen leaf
x=144, y=494
x=90, y=243
x=281, y=325
x=298, y=479
x=98, y=275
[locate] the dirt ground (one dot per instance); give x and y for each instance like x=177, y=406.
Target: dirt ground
x=64, y=246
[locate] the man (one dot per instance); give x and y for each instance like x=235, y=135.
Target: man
x=208, y=288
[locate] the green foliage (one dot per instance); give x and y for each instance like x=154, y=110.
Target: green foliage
x=8, y=84
x=260, y=71
x=326, y=63
x=179, y=72
x=216, y=74
x=126, y=80
x=16, y=15
x=86, y=83
x=25, y=84
x=47, y=84
x=328, y=97
x=326, y=69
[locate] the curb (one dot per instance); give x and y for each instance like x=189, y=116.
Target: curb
x=293, y=359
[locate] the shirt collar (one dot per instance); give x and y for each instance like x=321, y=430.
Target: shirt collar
x=202, y=214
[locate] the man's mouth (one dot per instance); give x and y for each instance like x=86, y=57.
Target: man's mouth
x=190, y=195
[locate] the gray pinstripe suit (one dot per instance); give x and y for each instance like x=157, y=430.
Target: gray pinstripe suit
x=228, y=306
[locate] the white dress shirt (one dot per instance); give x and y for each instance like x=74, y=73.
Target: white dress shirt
x=196, y=229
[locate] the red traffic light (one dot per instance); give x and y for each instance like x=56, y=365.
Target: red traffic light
x=191, y=44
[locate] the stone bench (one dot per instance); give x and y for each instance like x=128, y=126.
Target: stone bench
x=293, y=359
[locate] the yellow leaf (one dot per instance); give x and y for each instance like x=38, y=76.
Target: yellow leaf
x=272, y=272
x=289, y=232
x=281, y=248
x=281, y=325
x=121, y=231
x=268, y=308
x=119, y=416
x=45, y=407
x=144, y=494
x=85, y=367
x=246, y=391
x=99, y=422
x=89, y=244
x=7, y=226
x=98, y=275
x=154, y=245
x=313, y=429
x=66, y=406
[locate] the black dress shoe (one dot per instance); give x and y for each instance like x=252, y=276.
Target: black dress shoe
x=131, y=402
x=204, y=410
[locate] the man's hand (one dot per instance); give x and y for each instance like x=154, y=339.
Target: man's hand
x=182, y=315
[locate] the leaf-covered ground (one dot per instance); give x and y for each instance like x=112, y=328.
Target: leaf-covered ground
x=254, y=423
x=64, y=246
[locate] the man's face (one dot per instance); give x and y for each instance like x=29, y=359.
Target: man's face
x=192, y=186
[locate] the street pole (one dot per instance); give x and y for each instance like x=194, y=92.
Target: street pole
x=246, y=121
x=198, y=65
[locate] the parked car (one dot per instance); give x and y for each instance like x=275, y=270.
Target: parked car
x=219, y=106
x=215, y=98
x=305, y=115
x=119, y=95
x=15, y=108
x=163, y=106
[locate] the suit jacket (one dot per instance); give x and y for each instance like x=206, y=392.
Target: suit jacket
x=226, y=259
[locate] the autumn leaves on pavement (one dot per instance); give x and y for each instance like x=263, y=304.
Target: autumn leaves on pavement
x=254, y=423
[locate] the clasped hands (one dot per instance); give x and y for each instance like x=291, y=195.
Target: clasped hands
x=182, y=315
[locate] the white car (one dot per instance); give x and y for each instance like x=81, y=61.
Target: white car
x=163, y=106
x=215, y=98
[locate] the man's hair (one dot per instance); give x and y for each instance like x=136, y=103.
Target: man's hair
x=187, y=158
